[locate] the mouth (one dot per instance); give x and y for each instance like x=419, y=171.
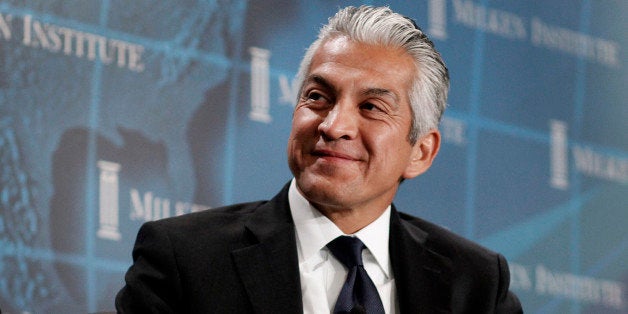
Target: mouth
x=333, y=155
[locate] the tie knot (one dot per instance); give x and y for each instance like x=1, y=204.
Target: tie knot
x=348, y=250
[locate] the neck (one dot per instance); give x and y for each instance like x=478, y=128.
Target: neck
x=351, y=221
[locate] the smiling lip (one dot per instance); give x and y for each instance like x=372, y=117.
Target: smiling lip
x=332, y=154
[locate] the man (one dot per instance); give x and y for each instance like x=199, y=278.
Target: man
x=373, y=90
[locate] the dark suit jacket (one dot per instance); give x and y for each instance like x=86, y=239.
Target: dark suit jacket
x=243, y=259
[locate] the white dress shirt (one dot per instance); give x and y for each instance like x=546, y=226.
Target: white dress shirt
x=322, y=275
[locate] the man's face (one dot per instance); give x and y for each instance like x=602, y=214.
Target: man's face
x=349, y=146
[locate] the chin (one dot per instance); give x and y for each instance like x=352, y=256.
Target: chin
x=326, y=187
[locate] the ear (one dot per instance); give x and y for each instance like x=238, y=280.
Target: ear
x=423, y=153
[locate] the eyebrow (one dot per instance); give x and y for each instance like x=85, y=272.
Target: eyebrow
x=382, y=92
x=374, y=91
x=315, y=78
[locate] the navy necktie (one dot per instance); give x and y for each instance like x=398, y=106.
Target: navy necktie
x=358, y=295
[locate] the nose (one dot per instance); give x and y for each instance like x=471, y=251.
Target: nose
x=341, y=122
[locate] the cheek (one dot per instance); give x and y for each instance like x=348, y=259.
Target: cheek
x=295, y=153
x=304, y=124
x=300, y=133
x=389, y=151
x=379, y=142
x=294, y=146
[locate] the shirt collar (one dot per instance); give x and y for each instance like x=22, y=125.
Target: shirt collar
x=314, y=230
x=375, y=237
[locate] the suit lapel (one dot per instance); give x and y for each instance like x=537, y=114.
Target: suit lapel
x=422, y=276
x=269, y=267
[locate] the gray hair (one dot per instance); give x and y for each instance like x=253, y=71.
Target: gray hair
x=381, y=26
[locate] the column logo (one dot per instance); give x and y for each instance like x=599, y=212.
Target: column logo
x=437, y=19
x=108, y=201
x=600, y=163
x=143, y=207
x=260, y=85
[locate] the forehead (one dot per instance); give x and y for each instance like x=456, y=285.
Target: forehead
x=343, y=61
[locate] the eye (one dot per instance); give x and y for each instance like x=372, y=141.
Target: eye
x=314, y=96
x=315, y=99
x=369, y=106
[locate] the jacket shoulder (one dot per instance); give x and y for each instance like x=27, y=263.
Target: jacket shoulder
x=210, y=223
x=231, y=212
x=478, y=277
x=448, y=243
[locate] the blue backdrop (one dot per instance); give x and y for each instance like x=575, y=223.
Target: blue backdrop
x=113, y=113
